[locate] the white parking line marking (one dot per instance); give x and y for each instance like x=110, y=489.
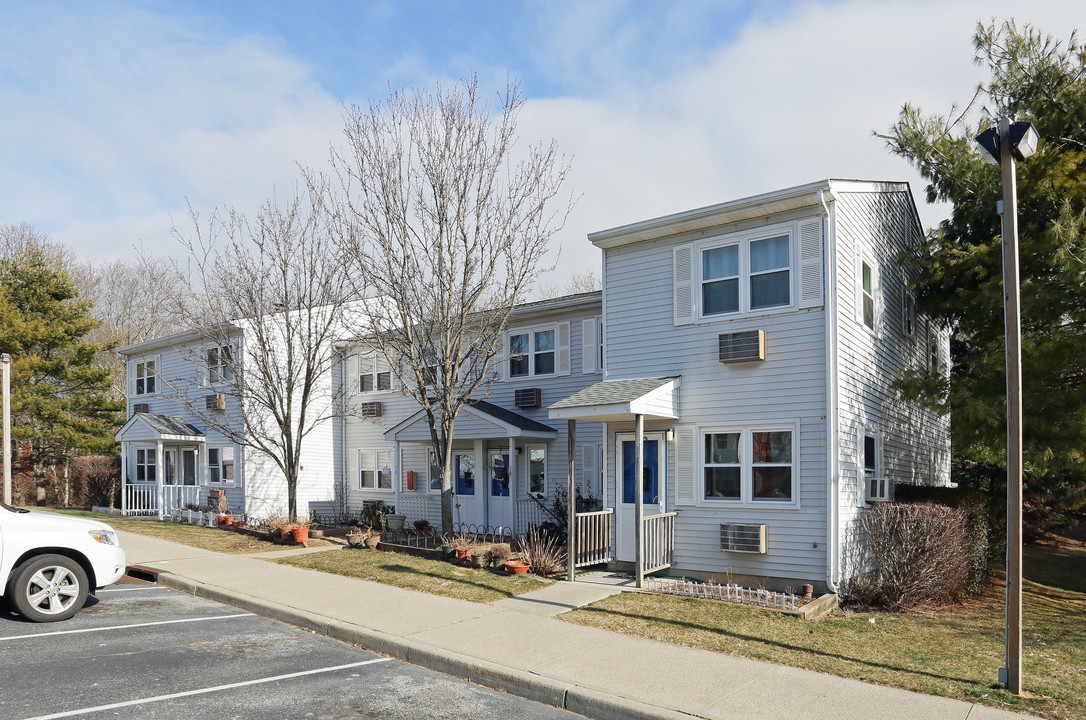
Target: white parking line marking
x=204, y=691
x=122, y=627
x=129, y=589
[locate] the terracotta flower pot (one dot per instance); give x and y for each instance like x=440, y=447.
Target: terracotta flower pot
x=516, y=567
x=462, y=553
x=300, y=534
x=223, y=520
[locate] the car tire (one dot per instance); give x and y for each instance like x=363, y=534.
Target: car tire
x=48, y=588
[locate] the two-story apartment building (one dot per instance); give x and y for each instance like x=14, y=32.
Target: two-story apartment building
x=508, y=457
x=756, y=343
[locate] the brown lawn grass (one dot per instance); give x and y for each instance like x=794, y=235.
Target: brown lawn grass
x=224, y=541
x=953, y=651
x=422, y=574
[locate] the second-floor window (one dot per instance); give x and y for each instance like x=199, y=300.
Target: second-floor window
x=867, y=294
x=746, y=274
x=145, y=377
x=531, y=352
x=373, y=374
x=220, y=365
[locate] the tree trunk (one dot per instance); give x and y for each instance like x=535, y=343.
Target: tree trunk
x=292, y=493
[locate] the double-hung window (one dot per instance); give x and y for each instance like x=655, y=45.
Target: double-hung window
x=532, y=352
x=537, y=469
x=146, y=466
x=220, y=364
x=867, y=297
x=220, y=464
x=145, y=377
x=749, y=465
x=375, y=469
x=373, y=374
x=745, y=274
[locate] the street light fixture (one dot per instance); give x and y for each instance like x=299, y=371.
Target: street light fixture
x=1002, y=145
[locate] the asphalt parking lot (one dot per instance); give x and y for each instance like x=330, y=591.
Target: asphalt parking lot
x=145, y=651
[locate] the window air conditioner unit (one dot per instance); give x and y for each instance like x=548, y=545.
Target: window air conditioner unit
x=879, y=489
x=141, y=408
x=370, y=409
x=744, y=538
x=215, y=402
x=742, y=346
x=528, y=398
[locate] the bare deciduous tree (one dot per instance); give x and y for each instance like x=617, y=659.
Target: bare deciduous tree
x=582, y=282
x=449, y=229
x=268, y=298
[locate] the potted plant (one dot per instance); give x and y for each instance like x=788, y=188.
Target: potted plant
x=394, y=521
x=479, y=557
x=423, y=527
x=300, y=531
x=498, y=554
x=516, y=567
x=372, y=539
x=356, y=537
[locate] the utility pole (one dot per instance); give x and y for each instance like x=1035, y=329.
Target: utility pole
x=5, y=360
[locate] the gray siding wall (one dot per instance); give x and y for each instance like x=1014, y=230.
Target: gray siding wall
x=788, y=388
x=915, y=443
x=368, y=433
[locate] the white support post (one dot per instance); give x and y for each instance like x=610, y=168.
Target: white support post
x=6, y=392
x=571, y=502
x=160, y=466
x=639, y=501
x=513, y=483
x=124, y=478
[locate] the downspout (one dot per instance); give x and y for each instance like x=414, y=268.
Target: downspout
x=832, y=460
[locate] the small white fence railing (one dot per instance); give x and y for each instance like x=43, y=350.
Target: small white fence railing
x=658, y=541
x=726, y=593
x=144, y=499
x=529, y=512
x=592, y=538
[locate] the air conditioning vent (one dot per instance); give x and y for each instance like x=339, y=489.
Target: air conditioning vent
x=141, y=408
x=879, y=489
x=215, y=402
x=370, y=409
x=738, y=537
x=742, y=346
x=528, y=398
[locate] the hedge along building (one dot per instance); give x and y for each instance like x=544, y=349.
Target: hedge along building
x=509, y=459
x=750, y=349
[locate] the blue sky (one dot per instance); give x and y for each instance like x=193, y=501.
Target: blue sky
x=114, y=115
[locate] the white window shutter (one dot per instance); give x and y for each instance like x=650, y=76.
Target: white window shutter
x=588, y=468
x=685, y=464
x=352, y=373
x=683, y=263
x=131, y=379
x=810, y=263
x=589, y=346
x=876, y=293
x=353, y=477
x=563, y=349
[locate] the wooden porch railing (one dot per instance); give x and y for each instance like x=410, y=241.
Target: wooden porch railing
x=592, y=538
x=658, y=536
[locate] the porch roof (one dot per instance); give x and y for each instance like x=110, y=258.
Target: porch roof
x=618, y=400
x=479, y=420
x=148, y=427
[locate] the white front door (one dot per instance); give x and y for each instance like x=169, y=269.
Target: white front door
x=653, y=473
x=499, y=490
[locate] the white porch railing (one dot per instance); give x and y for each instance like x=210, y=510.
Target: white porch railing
x=658, y=538
x=529, y=512
x=592, y=538
x=143, y=499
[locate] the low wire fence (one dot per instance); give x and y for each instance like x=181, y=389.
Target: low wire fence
x=725, y=593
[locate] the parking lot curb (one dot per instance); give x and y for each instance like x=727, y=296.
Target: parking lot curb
x=528, y=685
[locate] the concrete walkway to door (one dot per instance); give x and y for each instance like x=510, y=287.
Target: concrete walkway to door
x=517, y=645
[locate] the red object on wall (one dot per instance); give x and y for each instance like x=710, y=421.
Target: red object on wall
x=410, y=479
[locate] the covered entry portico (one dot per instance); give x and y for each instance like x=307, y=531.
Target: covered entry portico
x=494, y=453
x=162, y=459
x=637, y=527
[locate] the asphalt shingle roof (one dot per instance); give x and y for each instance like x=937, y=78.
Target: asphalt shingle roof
x=509, y=417
x=170, y=424
x=611, y=392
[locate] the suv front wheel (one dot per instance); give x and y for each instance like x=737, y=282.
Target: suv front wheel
x=48, y=588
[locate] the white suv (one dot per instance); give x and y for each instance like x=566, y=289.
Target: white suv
x=49, y=562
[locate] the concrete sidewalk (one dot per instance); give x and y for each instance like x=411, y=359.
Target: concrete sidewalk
x=517, y=646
